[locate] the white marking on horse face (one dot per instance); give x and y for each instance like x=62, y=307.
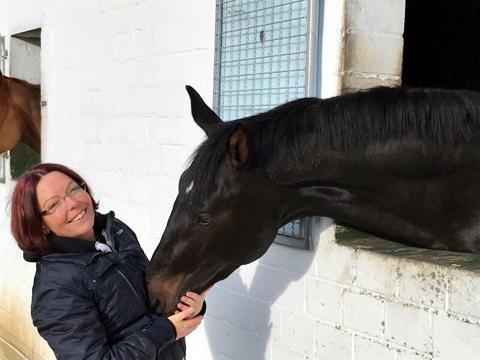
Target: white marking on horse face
x=189, y=188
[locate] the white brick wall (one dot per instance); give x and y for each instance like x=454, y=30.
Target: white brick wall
x=113, y=75
x=373, y=43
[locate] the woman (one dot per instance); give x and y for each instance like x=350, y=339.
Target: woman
x=89, y=299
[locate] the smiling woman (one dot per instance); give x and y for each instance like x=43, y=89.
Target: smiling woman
x=89, y=299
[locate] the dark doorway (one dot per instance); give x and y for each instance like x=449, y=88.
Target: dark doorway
x=442, y=44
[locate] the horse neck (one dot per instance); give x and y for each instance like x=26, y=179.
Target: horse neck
x=27, y=98
x=4, y=101
x=308, y=178
x=25, y=112
x=31, y=133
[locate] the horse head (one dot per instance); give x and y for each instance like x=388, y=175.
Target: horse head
x=222, y=217
x=20, y=115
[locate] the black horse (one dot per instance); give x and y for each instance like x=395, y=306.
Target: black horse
x=403, y=164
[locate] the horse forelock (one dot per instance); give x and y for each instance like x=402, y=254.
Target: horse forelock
x=345, y=123
x=205, y=161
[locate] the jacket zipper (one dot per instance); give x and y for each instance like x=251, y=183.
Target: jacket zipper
x=128, y=282
x=94, y=256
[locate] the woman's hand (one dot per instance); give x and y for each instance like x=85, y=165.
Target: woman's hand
x=184, y=323
x=193, y=300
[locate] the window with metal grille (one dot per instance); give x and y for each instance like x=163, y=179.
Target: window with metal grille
x=266, y=55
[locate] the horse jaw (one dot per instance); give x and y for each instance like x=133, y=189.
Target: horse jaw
x=165, y=291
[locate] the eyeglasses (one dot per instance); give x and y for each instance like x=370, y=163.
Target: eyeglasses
x=57, y=202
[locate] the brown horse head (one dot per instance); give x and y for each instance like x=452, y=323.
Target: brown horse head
x=20, y=116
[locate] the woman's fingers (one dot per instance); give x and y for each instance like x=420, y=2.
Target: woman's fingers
x=183, y=323
x=193, y=300
x=181, y=315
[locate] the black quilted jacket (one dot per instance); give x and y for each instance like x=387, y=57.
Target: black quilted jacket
x=90, y=304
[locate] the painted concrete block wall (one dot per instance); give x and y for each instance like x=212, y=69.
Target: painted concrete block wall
x=373, y=43
x=113, y=77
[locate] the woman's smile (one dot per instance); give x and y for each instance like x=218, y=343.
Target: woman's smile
x=78, y=217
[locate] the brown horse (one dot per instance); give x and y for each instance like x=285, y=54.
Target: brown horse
x=20, y=116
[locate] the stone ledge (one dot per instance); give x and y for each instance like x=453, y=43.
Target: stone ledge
x=358, y=240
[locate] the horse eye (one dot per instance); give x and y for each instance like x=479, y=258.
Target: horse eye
x=204, y=220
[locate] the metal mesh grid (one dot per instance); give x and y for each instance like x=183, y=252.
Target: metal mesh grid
x=261, y=55
x=293, y=229
x=260, y=61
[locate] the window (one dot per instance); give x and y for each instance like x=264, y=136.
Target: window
x=442, y=44
x=266, y=55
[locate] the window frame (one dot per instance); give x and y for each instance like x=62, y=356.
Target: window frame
x=312, y=81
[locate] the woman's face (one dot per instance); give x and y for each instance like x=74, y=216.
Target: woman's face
x=69, y=216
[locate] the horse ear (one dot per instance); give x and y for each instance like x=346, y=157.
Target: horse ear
x=202, y=114
x=239, y=151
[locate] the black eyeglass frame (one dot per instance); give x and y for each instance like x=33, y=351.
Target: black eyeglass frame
x=82, y=185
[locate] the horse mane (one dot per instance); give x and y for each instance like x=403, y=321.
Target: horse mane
x=345, y=123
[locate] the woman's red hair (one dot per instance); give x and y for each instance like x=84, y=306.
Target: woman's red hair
x=27, y=222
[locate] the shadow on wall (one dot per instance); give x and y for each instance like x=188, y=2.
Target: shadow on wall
x=241, y=320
